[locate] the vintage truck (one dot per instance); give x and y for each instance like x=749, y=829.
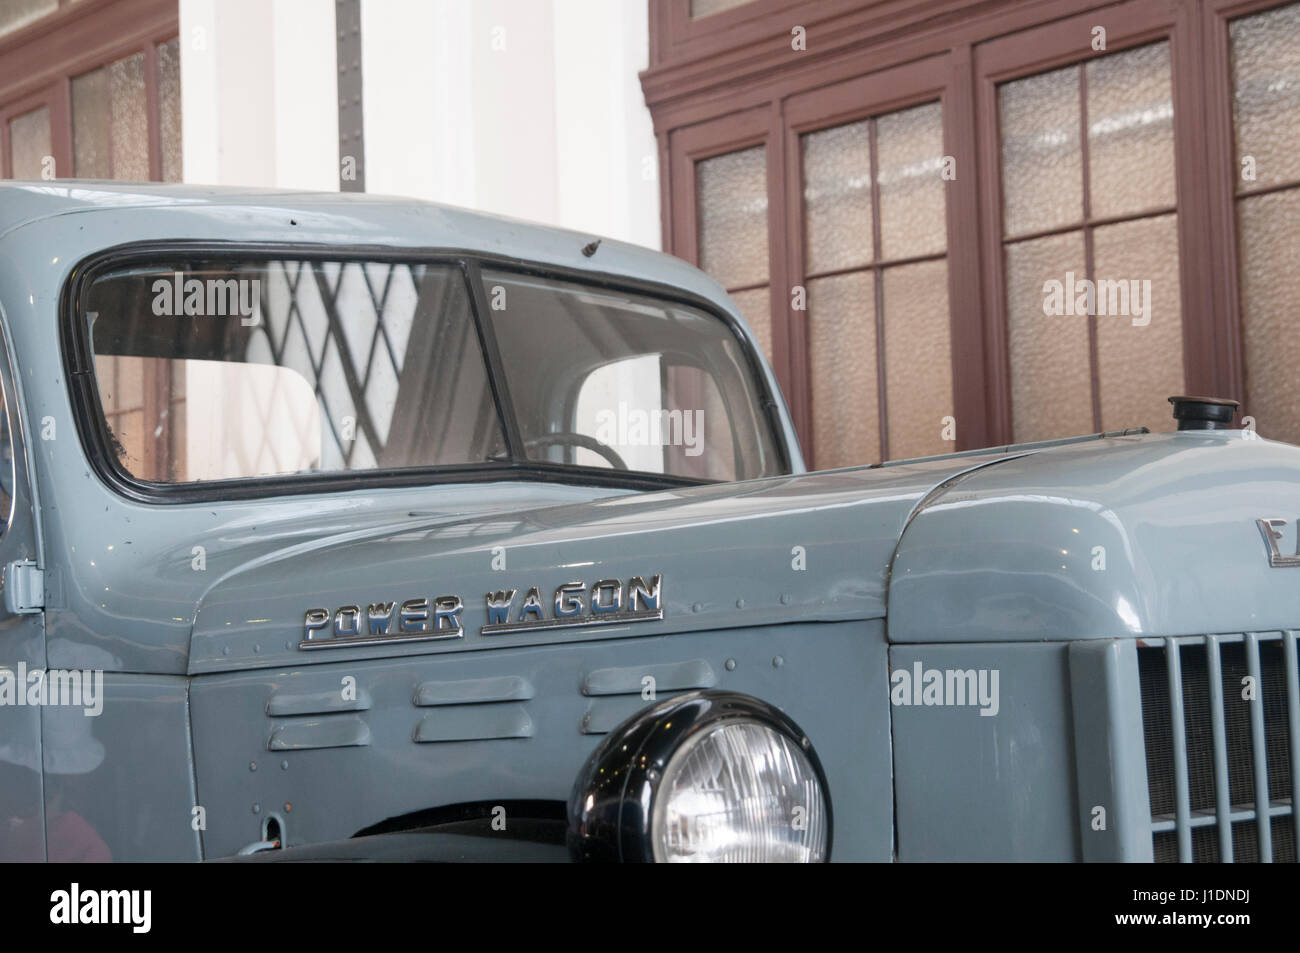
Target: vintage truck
x=353, y=527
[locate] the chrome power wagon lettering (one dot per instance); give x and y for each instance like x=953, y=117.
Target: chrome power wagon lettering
x=575, y=605
x=498, y=606
x=379, y=615
x=446, y=613
x=415, y=620
x=641, y=594
x=605, y=606
x=415, y=616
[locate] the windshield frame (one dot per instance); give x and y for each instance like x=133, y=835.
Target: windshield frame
x=96, y=441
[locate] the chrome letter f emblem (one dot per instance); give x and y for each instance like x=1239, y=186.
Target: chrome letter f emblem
x=1271, y=537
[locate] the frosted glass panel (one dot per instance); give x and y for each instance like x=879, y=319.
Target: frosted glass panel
x=29, y=143
x=1042, y=172
x=845, y=403
x=1270, y=305
x=756, y=306
x=1266, y=94
x=731, y=192
x=837, y=197
x=169, y=109
x=918, y=359
x=909, y=163
x=1130, y=131
x=91, y=115
x=110, y=119
x=1139, y=365
x=130, y=119
x=1051, y=377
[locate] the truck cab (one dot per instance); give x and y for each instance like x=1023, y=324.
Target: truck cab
x=349, y=526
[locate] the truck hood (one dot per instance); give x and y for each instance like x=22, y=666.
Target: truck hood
x=807, y=547
x=1154, y=536
x=1129, y=535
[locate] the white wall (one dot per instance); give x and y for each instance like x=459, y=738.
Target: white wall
x=529, y=108
x=258, y=93
x=306, y=94
x=607, y=158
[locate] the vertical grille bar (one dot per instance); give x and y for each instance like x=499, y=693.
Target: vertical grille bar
x=1259, y=751
x=1182, y=798
x=1222, y=793
x=1293, y=712
x=1222, y=711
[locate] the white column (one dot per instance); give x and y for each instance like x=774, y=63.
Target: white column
x=399, y=65
x=306, y=95
x=514, y=108
x=607, y=157
x=528, y=108
x=258, y=93
x=200, y=153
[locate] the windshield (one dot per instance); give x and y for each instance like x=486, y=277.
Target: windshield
x=217, y=370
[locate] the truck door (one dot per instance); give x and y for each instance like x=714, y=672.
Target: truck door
x=22, y=638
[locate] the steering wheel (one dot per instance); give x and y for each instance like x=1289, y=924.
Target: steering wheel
x=581, y=440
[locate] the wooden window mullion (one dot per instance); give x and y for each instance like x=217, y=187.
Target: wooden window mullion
x=787, y=352
x=153, y=110
x=878, y=291
x=972, y=376
x=61, y=127
x=1203, y=144
x=798, y=363
x=1089, y=262
x=859, y=99
x=1216, y=197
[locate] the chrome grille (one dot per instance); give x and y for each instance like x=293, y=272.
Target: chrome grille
x=1213, y=754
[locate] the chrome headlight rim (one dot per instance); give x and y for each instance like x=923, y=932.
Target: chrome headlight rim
x=611, y=809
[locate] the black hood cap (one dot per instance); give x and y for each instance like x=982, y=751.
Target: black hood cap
x=1204, y=413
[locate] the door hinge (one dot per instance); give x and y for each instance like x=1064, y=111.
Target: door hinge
x=24, y=586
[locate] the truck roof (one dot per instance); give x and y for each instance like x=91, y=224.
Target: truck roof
x=48, y=228
x=346, y=218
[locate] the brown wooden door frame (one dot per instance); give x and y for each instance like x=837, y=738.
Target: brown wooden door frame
x=1221, y=183
x=1066, y=42
x=675, y=34
x=691, y=144
x=55, y=98
x=733, y=133
x=943, y=77
x=699, y=81
x=37, y=65
x=707, y=71
x=79, y=37
x=937, y=78
x=38, y=61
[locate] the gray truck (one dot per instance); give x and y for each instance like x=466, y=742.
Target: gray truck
x=351, y=527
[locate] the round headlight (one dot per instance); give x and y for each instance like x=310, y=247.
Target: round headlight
x=739, y=792
x=706, y=777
